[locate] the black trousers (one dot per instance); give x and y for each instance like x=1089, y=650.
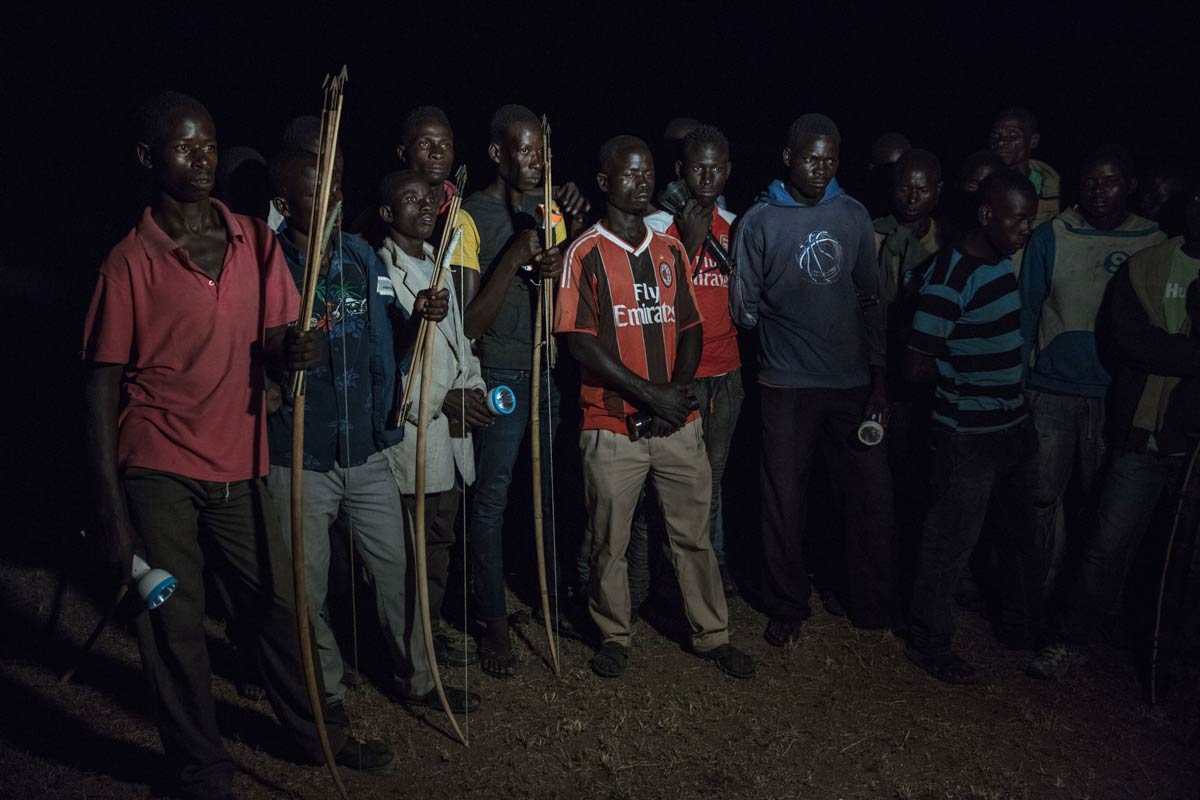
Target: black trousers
x=978, y=478
x=794, y=421
x=441, y=509
x=182, y=522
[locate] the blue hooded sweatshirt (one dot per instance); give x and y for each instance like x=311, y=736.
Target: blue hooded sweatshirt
x=798, y=267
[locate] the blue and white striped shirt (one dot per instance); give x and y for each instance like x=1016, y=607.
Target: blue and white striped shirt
x=969, y=319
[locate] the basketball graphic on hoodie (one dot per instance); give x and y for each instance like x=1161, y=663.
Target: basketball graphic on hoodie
x=799, y=270
x=820, y=258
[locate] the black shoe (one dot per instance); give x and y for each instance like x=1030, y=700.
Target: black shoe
x=459, y=700
x=730, y=660
x=364, y=756
x=832, y=605
x=781, y=630
x=335, y=714
x=946, y=666
x=610, y=660
x=564, y=626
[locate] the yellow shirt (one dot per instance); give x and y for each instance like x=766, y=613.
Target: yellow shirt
x=466, y=255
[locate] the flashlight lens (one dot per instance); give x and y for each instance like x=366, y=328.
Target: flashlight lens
x=502, y=400
x=161, y=592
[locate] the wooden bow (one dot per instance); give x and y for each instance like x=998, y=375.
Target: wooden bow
x=423, y=360
x=319, y=234
x=543, y=315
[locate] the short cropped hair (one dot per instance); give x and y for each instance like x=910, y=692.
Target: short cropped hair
x=152, y=117
x=679, y=127
x=886, y=143
x=302, y=133
x=284, y=167
x=408, y=126
x=920, y=159
x=1110, y=153
x=505, y=117
x=615, y=145
x=704, y=134
x=978, y=159
x=390, y=184
x=996, y=187
x=812, y=125
x=1020, y=114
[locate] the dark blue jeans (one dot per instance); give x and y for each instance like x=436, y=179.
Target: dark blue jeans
x=976, y=478
x=496, y=450
x=1133, y=487
x=1070, y=445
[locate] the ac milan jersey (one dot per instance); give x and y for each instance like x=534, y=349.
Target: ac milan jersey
x=636, y=301
x=711, y=287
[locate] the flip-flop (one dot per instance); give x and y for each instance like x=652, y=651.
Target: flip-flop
x=498, y=664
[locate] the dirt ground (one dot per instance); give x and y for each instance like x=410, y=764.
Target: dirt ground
x=840, y=714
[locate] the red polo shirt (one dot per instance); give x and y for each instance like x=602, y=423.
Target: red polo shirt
x=192, y=400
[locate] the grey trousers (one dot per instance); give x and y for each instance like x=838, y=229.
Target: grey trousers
x=614, y=471
x=368, y=502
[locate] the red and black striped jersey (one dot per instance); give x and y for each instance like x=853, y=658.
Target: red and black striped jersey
x=636, y=301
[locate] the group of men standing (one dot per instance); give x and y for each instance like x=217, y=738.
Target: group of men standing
x=191, y=342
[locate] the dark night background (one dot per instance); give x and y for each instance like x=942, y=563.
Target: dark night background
x=1092, y=73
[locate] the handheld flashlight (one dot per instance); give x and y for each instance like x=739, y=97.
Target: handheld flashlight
x=154, y=585
x=502, y=401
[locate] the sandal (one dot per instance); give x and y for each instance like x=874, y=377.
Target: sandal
x=499, y=663
x=946, y=667
x=610, y=660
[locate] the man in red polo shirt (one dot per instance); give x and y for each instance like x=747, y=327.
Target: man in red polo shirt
x=625, y=302
x=188, y=310
x=704, y=168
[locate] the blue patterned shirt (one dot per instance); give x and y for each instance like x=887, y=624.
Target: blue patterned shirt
x=347, y=399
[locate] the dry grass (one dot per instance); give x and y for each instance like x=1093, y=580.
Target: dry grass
x=840, y=714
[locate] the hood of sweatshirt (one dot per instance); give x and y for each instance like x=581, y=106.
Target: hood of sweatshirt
x=777, y=194
x=1133, y=225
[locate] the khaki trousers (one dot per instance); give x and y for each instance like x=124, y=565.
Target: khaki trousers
x=614, y=470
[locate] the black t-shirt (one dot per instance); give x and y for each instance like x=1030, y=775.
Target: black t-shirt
x=508, y=343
